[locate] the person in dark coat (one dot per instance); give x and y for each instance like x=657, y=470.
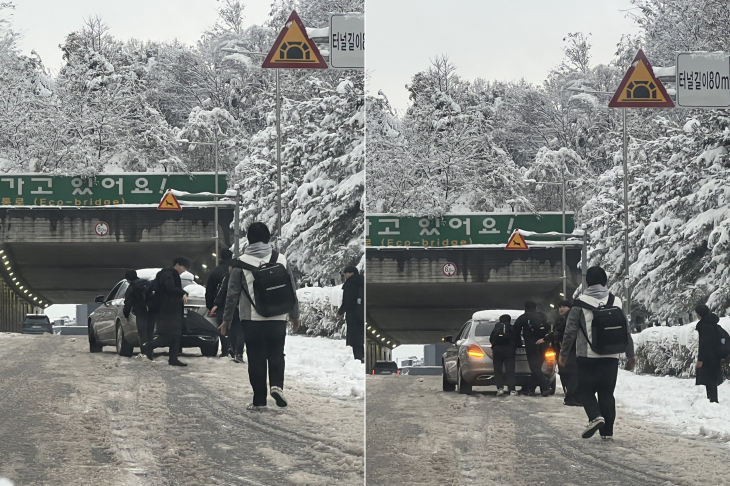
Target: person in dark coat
x=212, y=289
x=569, y=372
x=533, y=326
x=136, y=302
x=709, y=371
x=235, y=332
x=503, y=354
x=351, y=293
x=168, y=305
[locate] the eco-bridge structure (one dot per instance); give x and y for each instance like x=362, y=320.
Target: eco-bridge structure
x=427, y=276
x=66, y=240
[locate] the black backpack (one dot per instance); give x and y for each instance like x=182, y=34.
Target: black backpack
x=504, y=334
x=609, y=327
x=724, y=342
x=273, y=290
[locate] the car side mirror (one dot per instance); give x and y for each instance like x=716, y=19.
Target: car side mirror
x=99, y=299
x=448, y=339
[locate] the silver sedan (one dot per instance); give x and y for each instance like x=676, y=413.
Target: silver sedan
x=468, y=361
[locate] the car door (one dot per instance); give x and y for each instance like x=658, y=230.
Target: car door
x=105, y=314
x=452, y=353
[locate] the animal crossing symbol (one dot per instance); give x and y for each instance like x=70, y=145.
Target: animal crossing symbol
x=516, y=242
x=294, y=49
x=169, y=203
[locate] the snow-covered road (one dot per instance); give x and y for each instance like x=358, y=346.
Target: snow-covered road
x=420, y=435
x=68, y=417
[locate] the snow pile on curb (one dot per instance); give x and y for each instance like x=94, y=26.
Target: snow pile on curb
x=671, y=350
x=6, y=482
x=676, y=403
x=325, y=364
x=318, y=310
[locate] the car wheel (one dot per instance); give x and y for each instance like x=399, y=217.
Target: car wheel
x=210, y=350
x=463, y=387
x=94, y=347
x=123, y=347
x=448, y=386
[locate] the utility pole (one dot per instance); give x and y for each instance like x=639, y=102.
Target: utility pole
x=217, y=252
x=627, y=293
x=278, y=161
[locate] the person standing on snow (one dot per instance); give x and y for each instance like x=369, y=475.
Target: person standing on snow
x=168, y=302
x=597, y=373
x=265, y=336
x=503, y=352
x=235, y=332
x=212, y=289
x=569, y=372
x=136, y=302
x=352, y=291
x=533, y=326
x=709, y=371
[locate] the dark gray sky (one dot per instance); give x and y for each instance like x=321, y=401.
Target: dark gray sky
x=45, y=23
x=494, y=40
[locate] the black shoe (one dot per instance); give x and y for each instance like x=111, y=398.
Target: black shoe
x=238, y=358
x=176, y=362
x=545, y=393
x=147, y=351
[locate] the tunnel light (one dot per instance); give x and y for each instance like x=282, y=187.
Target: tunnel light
x=213, y=254
x=562, y=294
x=204, y=265
x=14, y=279
x=25, y=291
x=4, y=257
x=388, y=342
x=382, y=339
x=368, y=327
x=11, y=274
x=552, y=305
x=2, y=251
x=35, y=299
x=21, y=287
x=40, y=301
x=30, y=295
x=197, y=277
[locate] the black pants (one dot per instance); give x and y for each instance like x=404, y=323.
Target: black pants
x=535, y=359
x=358, y=351
x=598, y=376
x=235, y=336
x=712, y=393
x=264, y=346
x=569, y=379
x=167, y=341
x=145, y=328
x=504, y=357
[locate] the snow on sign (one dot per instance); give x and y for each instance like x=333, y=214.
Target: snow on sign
x=640, y=88
x=347, y=41
x=449, y=269
x=703, y=80
x=516, y=242
x=169, y=203
x=101, y=228
x=294, y=49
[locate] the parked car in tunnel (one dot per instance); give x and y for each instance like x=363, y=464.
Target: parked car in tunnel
x=108, y=326
x=385, y=368
x=37, y=324
x=468, y=360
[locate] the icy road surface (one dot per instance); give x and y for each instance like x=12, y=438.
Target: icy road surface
x=420, y=435
x=68, y=417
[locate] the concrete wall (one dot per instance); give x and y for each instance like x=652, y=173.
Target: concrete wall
x=82, y=313
x=13, y=309
x=432, y=354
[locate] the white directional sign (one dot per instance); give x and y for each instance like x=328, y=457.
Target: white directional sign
x=703, y=80
x=347, y=41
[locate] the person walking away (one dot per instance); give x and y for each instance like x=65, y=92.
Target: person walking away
x=503, y=354
x=598, y=328
x=263, y=287
x=235, y=333
x=135, y=301
x=169, y=302
x=352, y=308
x=709, y=372
x=533, y=326
x=212, y=289
x=569, y=372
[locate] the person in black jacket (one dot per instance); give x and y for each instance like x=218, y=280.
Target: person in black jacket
x=709, y=372
x=136, y=302
x=569, y=372
x=503, y=354
x=167, y=305
x=533, y=326
x=235, y=333
x=351, y=293
x=212, y=289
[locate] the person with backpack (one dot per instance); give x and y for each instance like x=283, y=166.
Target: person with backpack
x=352, y=308
x=599, y=329
x=569, y=372
x=503, y=354
x=212, y=289
x=709, y=354
x=235, y=332
x=533, y=326
x=135, y=301
x=263, y=288
x=167, y=304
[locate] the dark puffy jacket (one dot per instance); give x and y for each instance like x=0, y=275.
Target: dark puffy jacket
x=134, y=298
x=709, y=351
x=214, y=282
x=169, y=302
x=532, y=325
x=355, y=325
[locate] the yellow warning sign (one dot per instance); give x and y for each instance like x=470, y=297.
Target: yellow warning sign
x=294, y=49
x=169, y=203
x=640, y=88
x=516, y=242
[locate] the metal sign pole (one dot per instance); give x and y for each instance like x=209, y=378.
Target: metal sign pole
x=278, y=160
x=584, y=261
x=627, y=304
x=217, y=252
x=565, y=277
x=237, y=224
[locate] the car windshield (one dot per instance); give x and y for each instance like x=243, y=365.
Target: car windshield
x=37, y=319
x=484, y=328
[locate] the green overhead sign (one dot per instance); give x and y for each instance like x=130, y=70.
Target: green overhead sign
x=101, y=190
x=454, y=230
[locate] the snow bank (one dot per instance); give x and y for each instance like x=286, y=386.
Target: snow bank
x=318, y=308
x=675, y=403
x=6, y=482
x=325, y=364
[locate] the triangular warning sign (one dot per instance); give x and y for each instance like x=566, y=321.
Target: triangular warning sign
x=516, y=242
x=169, y=203
x=640, y=88
x=294, y=49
